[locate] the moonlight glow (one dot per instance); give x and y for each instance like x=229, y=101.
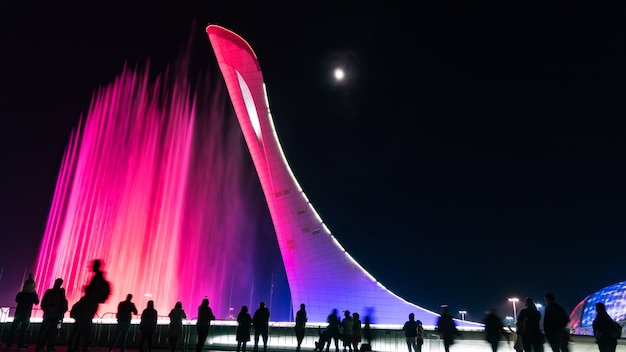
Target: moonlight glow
x=339, y=74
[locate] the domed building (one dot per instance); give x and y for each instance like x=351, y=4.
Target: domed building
x=613, y=297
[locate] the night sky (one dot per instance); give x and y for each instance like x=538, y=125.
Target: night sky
x=474, y=152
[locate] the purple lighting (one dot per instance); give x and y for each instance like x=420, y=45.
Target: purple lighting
x=154, y=183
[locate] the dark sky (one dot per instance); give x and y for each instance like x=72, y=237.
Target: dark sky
x=475, y=151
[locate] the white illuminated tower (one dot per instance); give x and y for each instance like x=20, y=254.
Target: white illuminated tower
x=320, y=272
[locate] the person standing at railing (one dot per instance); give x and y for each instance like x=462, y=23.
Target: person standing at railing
x=410, y=333
x=244, y=323
x=175, y=329
x=300, y=326
x=356, y=331
x=147, y=325
x=25, y=301
x=205, y=316
x=54, y=305
x=261, y=323
x=125, y=310
x=346, y=326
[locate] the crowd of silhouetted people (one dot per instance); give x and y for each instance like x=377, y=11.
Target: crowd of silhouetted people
x=348, y=332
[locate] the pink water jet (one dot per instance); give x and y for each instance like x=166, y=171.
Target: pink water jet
x=152, y=183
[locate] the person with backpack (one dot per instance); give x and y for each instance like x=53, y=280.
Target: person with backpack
x=54, y=305
x=606, y=341
x=97, y=291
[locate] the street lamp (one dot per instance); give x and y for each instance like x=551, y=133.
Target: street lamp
x=514, y=300
x=462, y=312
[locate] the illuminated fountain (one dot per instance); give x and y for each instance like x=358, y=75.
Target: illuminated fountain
x=157, y=182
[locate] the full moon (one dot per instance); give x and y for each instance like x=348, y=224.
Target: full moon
x=339, y=74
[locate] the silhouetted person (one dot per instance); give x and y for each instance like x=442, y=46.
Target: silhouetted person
x=96, y=292
x=554, y=324
x=261, y=322
x=528, y=324
x=29, y=284
x=175, y=329
x=244, y=323
x=356, y=331
x=82, y=319
x=25, y=301
x=601, y=325
x=332, y=330
x=494, y=329
x=347, y=324
x=54, y=305
x=420, y=335
x=410, y=333
x=147, y=326
x=300, y=326
x=367, y=330
x=446, y=328
x=205, y=315
x=125, y=310
x=518, y=346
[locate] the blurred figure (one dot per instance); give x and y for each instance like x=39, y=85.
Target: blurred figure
x=420, y=335
x=96, y=292
x=300, y=326
x=125, y=311
x=25, y=301
x=410, y=333
x=147, y=326
x=347, y=325
x=367, y=330
x=175, y=330
x=244, y=323
x=446, y=328
x=332, y=330
x=54, y=305
x=601, y=325
x=356, y=331
x=261, y=323
x=493, y=329
x=555, y=324
x=205, y=316
x=517, y=338
x=528, y=327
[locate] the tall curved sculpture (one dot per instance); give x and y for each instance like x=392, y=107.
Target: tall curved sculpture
x=320, y=272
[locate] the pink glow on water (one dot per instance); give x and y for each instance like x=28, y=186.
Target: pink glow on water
x=152, y=184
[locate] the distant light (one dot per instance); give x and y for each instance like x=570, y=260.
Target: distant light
x=339, y=74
